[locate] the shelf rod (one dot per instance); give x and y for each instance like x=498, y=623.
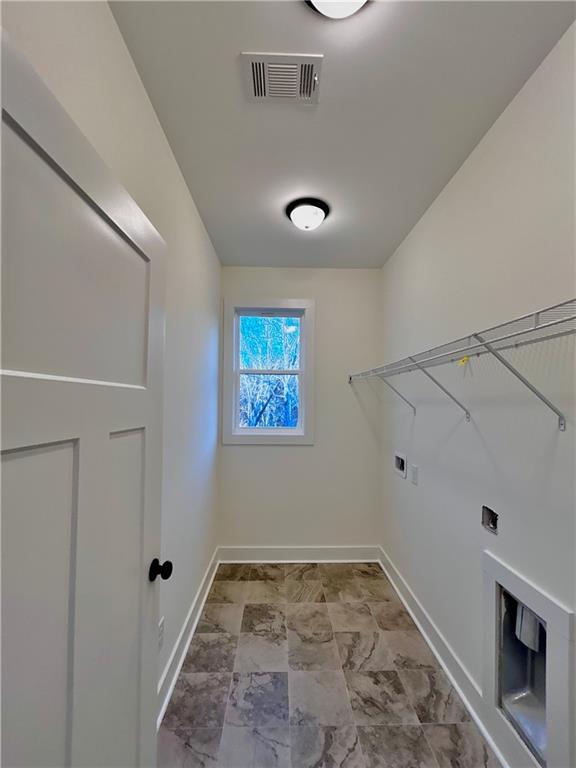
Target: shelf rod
x=513, y=345
x=442, y=387
x=469, y=348
x=400, y=395
x=524, y=380
x=451, y=357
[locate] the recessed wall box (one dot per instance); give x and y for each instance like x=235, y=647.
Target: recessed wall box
x=490, y=520
x=400, y=464
x=522, y=673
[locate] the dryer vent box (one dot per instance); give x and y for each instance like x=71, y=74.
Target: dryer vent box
x=282, y=76
x=522, y=673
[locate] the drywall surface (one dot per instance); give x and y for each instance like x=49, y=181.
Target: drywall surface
x=326, y=493
x=79, y=52
x=497, y=243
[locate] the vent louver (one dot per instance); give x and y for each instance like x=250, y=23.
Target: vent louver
x=306, y=81
x=282, y=76
x=258, y=79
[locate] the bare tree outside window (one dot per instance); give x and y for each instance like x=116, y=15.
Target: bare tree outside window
x=269, y=344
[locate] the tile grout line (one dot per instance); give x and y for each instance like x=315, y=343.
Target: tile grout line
x=367, y=600
x=430, y=747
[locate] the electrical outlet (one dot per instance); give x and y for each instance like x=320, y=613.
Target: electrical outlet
x=414, y=474
x=161, y=633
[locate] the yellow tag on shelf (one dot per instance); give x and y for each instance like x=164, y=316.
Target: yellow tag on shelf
x=463, y=360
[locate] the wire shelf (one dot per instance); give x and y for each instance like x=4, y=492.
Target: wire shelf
x=543, y=325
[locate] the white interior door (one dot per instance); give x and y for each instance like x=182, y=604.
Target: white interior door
x=82, y=345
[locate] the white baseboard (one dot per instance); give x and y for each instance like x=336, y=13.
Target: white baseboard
x=303, y=554
x=433, y=635
x=176, y=659
x=507, y=747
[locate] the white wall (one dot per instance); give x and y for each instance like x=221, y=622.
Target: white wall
x=497, y=243
x=79, y=52
x=327, y=493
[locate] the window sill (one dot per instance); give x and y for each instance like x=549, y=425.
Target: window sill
x=267, y=438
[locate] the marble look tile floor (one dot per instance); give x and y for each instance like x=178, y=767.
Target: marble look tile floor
x=313, y=665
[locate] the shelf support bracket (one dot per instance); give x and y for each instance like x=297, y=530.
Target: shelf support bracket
x=442, y=387
x=524, y=380
x=400, y=395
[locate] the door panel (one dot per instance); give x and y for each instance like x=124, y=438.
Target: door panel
x=83, y=333
x=89, y=286
x=39, y=487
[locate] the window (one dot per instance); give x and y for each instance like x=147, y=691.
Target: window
x=267, y=373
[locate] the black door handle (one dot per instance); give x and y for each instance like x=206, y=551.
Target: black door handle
x=163, y=570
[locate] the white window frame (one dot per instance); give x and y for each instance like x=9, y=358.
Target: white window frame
x=232, y=433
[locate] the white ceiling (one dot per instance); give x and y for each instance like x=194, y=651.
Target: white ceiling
x=407, y=91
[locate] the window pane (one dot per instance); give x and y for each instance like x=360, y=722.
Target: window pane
x=268, y=401
x=269, y=342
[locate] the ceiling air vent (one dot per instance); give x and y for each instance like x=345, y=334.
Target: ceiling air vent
x=282, y=76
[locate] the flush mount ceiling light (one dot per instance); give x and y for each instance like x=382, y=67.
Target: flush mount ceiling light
x=307, y=213
x=336, y=9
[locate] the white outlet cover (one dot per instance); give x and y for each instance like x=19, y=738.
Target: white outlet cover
x=414, y=470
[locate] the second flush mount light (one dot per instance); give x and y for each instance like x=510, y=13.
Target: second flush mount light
x=336, y=9
x=307, y=213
